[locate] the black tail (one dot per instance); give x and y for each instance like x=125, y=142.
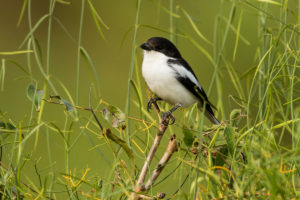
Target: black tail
x=209, y=114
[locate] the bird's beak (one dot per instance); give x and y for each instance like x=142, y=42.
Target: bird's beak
x=145, y=46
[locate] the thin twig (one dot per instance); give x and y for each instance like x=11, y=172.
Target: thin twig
x=91, y=109
x=172, y=172
x=96, y=111
x=162, y=128
x=183, y=182
x=159, y=196
x=172, y=147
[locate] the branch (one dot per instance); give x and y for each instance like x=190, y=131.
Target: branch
x=162, y=128
x=96, y=111
x=172, y=147
x=159, y=196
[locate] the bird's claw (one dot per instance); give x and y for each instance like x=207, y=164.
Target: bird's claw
x=168, y=115
x=152, y=101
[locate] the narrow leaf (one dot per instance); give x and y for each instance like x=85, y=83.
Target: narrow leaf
x=167, y=10
x=270, y=2
x=229, y=136
x=25, y=2
x=35, y=96
x=9, y=53
x=33, y=29
x=237, y=35
x=235, y=113
x=2, y=75
x=97, y=19
x=195, y=27
x=63, y=2
x=6, y=126
x=120, y=142
x=188, y=137
x=90, y=64
x=69, y=106
x=19, y=66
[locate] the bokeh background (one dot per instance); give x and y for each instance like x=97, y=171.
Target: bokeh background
x=112, y=58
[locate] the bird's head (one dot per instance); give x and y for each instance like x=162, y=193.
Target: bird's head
x=162, y=45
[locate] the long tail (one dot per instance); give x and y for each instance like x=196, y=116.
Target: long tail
x=209, y=113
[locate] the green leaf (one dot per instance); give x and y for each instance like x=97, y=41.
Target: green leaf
x=188, y=137
x=63, y=2
x=195, y=27
x=114, y=116
x=10, y=53
x=221, y=155
x=120, y=142
x=237, y=35
x=166, y=10
x=235, y=113
x=229, y=136
x=34, y=29
x=270, y=2
x=6, y=126
x=69, y=106
x=91, y=66
x=25, y=2
x=35, y=96
x=19, y=66
x=97, y=19
x=203, y=50
x=2, y=75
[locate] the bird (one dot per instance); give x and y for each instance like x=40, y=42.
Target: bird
x=172, y=79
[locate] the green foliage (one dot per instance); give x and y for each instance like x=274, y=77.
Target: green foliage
x=6, y=126
x=188, y=137
x=35, y=96
x=229, y=136
x=114, y=116
x=253, y=49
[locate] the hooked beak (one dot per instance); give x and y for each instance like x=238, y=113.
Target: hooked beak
x=145, y=46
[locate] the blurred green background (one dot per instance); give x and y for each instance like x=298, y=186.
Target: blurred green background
x=112, y=57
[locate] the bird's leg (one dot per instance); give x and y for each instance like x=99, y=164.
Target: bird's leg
x=168, y=114
x=153, y=101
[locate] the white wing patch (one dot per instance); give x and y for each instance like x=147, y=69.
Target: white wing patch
x=185, y=73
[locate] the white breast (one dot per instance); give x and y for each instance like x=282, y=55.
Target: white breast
x=161, y=79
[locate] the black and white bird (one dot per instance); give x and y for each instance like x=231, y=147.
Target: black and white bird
x=172, y=79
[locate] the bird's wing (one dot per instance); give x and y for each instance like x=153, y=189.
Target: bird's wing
x=187, y=77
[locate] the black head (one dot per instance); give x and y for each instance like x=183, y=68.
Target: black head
x=161, y=45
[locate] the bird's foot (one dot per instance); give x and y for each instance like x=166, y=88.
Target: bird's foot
x=168, y=116
x=153, y=101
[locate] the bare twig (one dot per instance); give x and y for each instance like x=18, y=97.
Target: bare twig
x=172, y=147
x=91, y=109
x=162, y=128
x=159, y=196
x=96, y=111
